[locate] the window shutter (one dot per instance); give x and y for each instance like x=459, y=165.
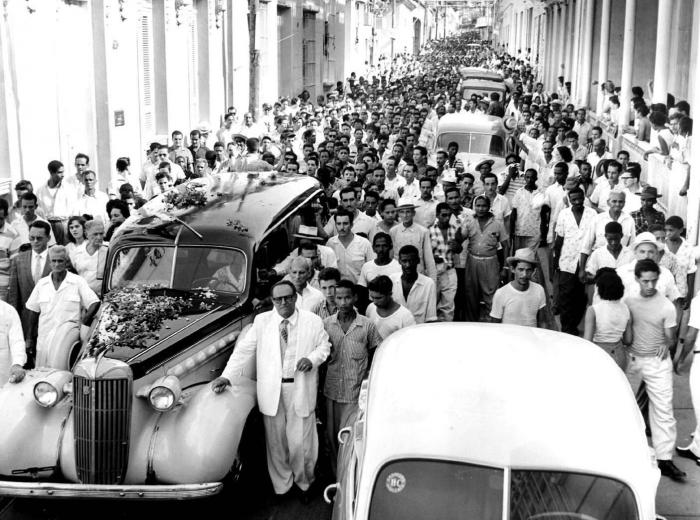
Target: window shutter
x=194, y=68
x=146, y=71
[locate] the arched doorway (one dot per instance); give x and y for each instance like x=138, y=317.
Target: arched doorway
x=416, y=35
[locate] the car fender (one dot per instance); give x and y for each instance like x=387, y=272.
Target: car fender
x=29, y=433
x=66, y=336
x=198, y=440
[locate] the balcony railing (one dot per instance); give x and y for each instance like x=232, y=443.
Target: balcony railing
x=655, y=172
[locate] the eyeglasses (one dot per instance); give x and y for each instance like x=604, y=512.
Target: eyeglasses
x=285, y=299
x=36, y=239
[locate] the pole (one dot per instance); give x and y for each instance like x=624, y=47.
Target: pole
x=254, y=59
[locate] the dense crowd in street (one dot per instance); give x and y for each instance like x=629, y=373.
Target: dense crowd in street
x=566, y=237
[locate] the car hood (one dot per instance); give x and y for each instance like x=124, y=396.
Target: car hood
x=173, y=336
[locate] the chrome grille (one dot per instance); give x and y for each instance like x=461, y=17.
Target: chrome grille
x=102, y=416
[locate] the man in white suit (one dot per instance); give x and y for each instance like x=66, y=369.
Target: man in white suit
x=289, y=345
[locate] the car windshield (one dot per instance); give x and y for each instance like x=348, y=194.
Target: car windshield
x=558, y=494
x=180, y=267
x=485, y=144
x=419, y=489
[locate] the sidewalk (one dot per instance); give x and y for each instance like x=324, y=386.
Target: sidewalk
x=673, y=500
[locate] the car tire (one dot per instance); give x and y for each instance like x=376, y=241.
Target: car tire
x=247, y=482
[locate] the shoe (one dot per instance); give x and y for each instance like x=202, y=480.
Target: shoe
x=279, y=499
x=305, y=497
x=670, y=470
x=687, y=454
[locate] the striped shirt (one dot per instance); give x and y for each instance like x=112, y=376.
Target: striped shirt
x=323, y=310
x=348, y=363
x=441, y=250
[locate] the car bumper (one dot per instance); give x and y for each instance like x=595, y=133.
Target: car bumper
x=124, y=492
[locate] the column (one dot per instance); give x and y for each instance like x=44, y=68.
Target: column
x=604, y=50
x=586, y=52
x=561, y=42
x=513, y=42
x=693, y=214
x=663, y=51
x=627, y=62
x=576, y=81
x=552, y=76
x=569, y=43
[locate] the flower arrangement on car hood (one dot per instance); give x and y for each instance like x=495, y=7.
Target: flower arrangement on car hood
x=191, y=196
x=133, y=316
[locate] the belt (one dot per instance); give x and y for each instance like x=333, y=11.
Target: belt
x=479, y=257
x=57, y=219
x=696, y=351
x=287, y=379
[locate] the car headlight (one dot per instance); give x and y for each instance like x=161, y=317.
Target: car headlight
x=161, y=398
x=45, y=394
x=165, y=393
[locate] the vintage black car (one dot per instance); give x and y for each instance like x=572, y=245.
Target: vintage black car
x=132, y=414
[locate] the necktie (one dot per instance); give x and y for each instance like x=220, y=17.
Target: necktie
x=36, y=274
x=284, y=336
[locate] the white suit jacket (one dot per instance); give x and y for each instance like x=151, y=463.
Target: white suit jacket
x=262, y=340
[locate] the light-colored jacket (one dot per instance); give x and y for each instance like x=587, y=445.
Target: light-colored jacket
x=12, y=351
x=262, y=340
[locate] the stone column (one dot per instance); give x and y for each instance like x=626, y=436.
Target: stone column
x=552, y=48
x=576, y=59
x=586, y=52
x=663, y=50
x=627, y=62
x=604, y=50
x=569, y=42
x=561, y=43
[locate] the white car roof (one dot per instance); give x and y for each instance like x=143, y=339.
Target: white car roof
x=503, y=395
x=471, y=123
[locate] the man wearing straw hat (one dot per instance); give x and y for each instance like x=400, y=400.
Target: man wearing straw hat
x=410, y=233
x=521, y=302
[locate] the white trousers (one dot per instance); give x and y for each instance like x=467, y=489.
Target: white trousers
x=292, y=445
x=658, y=376
x=446, y=291
x=694, y=381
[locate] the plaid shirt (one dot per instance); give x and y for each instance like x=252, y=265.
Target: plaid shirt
x=441, y=249
x=641, y=224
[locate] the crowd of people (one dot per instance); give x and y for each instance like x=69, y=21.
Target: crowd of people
x=566, y=237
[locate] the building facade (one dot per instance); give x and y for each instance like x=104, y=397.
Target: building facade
x=652, y=44
x=107, y=77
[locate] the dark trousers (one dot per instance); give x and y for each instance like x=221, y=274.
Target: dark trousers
x=482, y=279
x=460, y=298
x=59, y=231
x=571, y=302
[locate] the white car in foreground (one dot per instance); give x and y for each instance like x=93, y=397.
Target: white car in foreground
x=486, y=422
